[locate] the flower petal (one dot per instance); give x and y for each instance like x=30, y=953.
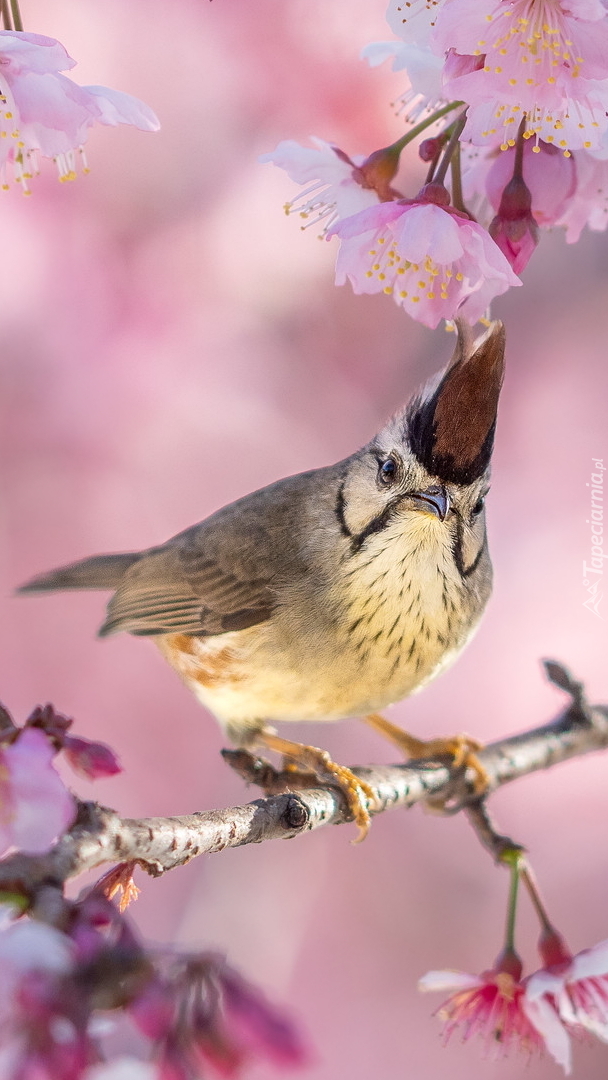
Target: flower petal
x=33, y=52
x=115, y=107
x=589, y=963
x=543, y=1017
x=448, y=980
x=369, y=220
x=42, y=805
x=427, y=229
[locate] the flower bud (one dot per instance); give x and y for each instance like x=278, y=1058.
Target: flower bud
x=90, y=759
x=553, y=948
x=429, y=149
x=514, y=228
x=377, y=171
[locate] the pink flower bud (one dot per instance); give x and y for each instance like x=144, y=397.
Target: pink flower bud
x=514, y=228
x=90, y=759
x=430, y=148
x=553, y=948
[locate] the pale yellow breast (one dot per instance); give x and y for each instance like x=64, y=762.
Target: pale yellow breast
x=399, y=618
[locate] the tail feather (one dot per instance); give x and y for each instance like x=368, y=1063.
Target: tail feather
x=98, y=572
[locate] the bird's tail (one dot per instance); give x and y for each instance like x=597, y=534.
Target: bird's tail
x=98, y=572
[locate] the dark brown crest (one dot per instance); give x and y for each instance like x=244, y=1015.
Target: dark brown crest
x=452, y=432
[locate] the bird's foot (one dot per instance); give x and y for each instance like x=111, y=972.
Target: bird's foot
x=307, y=764
x=461, y=748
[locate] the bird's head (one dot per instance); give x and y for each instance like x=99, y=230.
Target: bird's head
x=429, y=467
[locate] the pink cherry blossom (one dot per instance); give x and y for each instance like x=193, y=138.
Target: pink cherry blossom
x=545, y=59
x=201, y=1014
x=434, y=261
x=334, y=187
x=36, y=960
x=578, y=987
x=35, y=806
x=497, y=1007
x=43, y=113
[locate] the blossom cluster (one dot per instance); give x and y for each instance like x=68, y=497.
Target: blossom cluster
x=71, y=998
x=35, y=805
x=567, y=997
x=44, y=114
x=513, y=98
x=80, y=987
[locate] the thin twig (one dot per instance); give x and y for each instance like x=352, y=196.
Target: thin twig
x=100, y=835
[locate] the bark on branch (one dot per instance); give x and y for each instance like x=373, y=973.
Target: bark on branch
x=99, y=835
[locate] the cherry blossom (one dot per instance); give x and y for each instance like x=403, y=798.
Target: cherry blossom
x=38, y=1040
x=44, y=114
x=335, y=187
x=545, y=59
x=433, y=260
x=498, y=1007
x=201, y=1013
x=35, y=805
x=577, y=986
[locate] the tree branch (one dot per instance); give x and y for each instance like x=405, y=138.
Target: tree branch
x=99, y=835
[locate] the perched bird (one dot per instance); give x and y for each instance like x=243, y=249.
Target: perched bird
x=333, y=593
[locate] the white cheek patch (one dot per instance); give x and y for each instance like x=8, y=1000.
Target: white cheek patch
x=469, y=545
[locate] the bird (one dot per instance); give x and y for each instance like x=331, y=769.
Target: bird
x=333, y=593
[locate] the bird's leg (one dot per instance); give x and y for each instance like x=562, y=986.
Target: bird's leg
x=313, y=760
x=462, y=748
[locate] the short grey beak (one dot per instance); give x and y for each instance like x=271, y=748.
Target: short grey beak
x=435, y=500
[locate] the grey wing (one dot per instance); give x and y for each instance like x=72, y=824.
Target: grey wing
x=166, y=593
x=227, y=572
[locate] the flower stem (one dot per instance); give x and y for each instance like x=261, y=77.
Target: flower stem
x=533, y=892
x=456, y=174
x=450, y=150
x=17, y=20
x=7, y=21
x=413, y=133
x=512, y=906
x=518, y=172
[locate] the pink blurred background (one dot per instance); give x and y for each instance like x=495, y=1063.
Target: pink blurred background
x=169, y=340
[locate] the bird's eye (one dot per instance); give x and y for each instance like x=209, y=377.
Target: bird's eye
x=388, y=471
x=479, y=505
